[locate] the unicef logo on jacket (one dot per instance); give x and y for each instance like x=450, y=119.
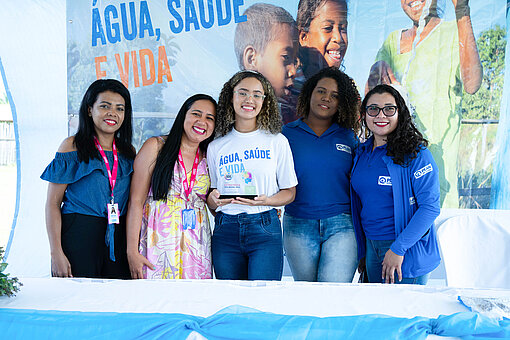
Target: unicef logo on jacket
x=423, y=171
x=384, y=180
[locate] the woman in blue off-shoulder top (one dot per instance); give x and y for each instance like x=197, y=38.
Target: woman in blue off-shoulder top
x=88, y=187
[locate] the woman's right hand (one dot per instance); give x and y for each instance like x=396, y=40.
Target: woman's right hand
x=214, y=201
x=60, y=266
x=136, y=262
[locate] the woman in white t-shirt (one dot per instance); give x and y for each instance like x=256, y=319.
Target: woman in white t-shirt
x=252, y=171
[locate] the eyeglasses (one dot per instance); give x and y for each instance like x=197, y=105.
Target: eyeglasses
x=388, y=110
x=246, y=95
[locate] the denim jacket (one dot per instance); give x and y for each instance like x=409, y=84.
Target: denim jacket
x=416, y=201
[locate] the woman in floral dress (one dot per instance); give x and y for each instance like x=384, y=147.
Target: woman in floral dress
x=168, y=231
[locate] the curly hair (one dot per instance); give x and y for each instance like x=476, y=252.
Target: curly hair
x=268, y=119
x=403, y=143
x=349, y=100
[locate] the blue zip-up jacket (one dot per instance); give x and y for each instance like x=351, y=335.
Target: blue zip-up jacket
x=416, y=200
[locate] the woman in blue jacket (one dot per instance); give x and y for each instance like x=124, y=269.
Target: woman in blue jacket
x=394, y=193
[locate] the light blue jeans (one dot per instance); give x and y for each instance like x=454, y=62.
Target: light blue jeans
x=320, y=250
x=376, y=249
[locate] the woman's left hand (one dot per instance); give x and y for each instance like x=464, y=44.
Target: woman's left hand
x=391, y=263
x=259, y=200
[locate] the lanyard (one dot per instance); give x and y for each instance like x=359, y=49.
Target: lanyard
x=112, y=175
x=189, y=187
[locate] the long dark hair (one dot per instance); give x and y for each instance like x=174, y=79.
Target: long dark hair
x=347, y=114
x=84, y=138
x=268, y=119
x=167, y=156
x=403, y=143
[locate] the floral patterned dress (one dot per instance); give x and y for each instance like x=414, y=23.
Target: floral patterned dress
x=178, y=253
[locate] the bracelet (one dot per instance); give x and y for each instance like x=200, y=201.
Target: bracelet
x=462, y=12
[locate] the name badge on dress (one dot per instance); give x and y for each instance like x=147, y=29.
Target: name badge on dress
x=113, y=213
x=189, y=219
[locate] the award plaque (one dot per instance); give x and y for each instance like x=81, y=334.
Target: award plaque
x=238, y=185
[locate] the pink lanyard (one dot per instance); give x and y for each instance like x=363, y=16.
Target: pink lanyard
x=188, y=188
x=112, y=175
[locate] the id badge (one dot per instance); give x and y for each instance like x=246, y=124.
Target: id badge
x=113, y=213
x=189, y=219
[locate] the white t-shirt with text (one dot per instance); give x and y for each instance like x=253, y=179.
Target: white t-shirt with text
x=253, y=163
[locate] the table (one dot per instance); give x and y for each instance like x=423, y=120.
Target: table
x=287, y=309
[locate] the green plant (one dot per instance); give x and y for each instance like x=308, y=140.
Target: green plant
x=485, y=103
x=8, y=285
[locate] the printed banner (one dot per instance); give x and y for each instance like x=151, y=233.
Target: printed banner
x=449, y=55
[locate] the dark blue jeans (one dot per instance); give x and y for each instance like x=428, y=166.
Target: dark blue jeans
x=374, y=258
x=247, y=246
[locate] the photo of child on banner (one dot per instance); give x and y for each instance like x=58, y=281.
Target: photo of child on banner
x=322, y=26
x=272, y=50
x=321, y=30
x=434, y=60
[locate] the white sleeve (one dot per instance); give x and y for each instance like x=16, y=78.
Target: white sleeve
x=285, y=173
x=211, y=164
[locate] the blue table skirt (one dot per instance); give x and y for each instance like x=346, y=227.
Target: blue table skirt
x=237, y=322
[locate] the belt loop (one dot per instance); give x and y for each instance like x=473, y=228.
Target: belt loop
x=218, y=217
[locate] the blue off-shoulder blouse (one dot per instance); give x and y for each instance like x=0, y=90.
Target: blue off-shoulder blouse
x=88, y=188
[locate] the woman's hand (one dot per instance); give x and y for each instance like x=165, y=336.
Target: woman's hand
x=143, y=167
x=259, y=200
x=391, y=263
x=136, y=262
x=60, y=266
x=281, y=198
x=214, y=201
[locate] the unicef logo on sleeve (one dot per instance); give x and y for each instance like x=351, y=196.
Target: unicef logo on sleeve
x=384, y=180
x=344, y=148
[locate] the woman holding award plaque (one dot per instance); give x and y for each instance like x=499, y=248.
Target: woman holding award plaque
x=252, y=172
x=168, y=234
